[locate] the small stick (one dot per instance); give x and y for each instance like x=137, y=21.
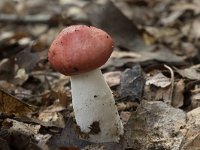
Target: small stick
x=172, y=81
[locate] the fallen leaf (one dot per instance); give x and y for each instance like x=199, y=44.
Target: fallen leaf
x=123, y=106
x=159, y=87
x=190, y=73
x=67, y=138
x=7, y=70
x=27, y=59
x=13, y=106
x=52, y=116
x=195, y=97
x=23, y=134
x=155, y=125
x=178, y=97
x=192, y=136
x=158, y=80
x=160, y=53
x=21, y=127
x=123, y=31
x=163, y=34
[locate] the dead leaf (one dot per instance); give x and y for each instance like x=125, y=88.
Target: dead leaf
x=67, y=138
x=159, y=87
x=184, y=5
x=190, y=73
x=13, y=106
x=52, y=116
x=160, y=53
x=158, y=80
x=192, y=136
x=23, y=133
x=21, y=127
x=195, y=97
x=162, y=34
x=171, y=18
x=27, y=59
x=125, y=54
x=123, y=31
x=178, y=97
x=155, y=125
x=7, y=69
x=123, y=106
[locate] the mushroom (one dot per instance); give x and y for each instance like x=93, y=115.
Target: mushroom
x=79, y=51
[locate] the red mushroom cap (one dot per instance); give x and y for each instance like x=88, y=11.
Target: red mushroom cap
x=80, y=48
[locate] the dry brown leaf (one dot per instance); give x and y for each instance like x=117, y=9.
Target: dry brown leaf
x=13, y=106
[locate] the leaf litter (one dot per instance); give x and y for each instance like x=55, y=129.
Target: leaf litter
x=155, y=61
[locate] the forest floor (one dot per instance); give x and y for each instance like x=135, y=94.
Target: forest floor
x=154, y=73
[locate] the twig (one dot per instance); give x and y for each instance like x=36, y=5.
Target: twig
x=172, y=82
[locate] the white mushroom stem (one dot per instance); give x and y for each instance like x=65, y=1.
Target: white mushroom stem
x=94, y=107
